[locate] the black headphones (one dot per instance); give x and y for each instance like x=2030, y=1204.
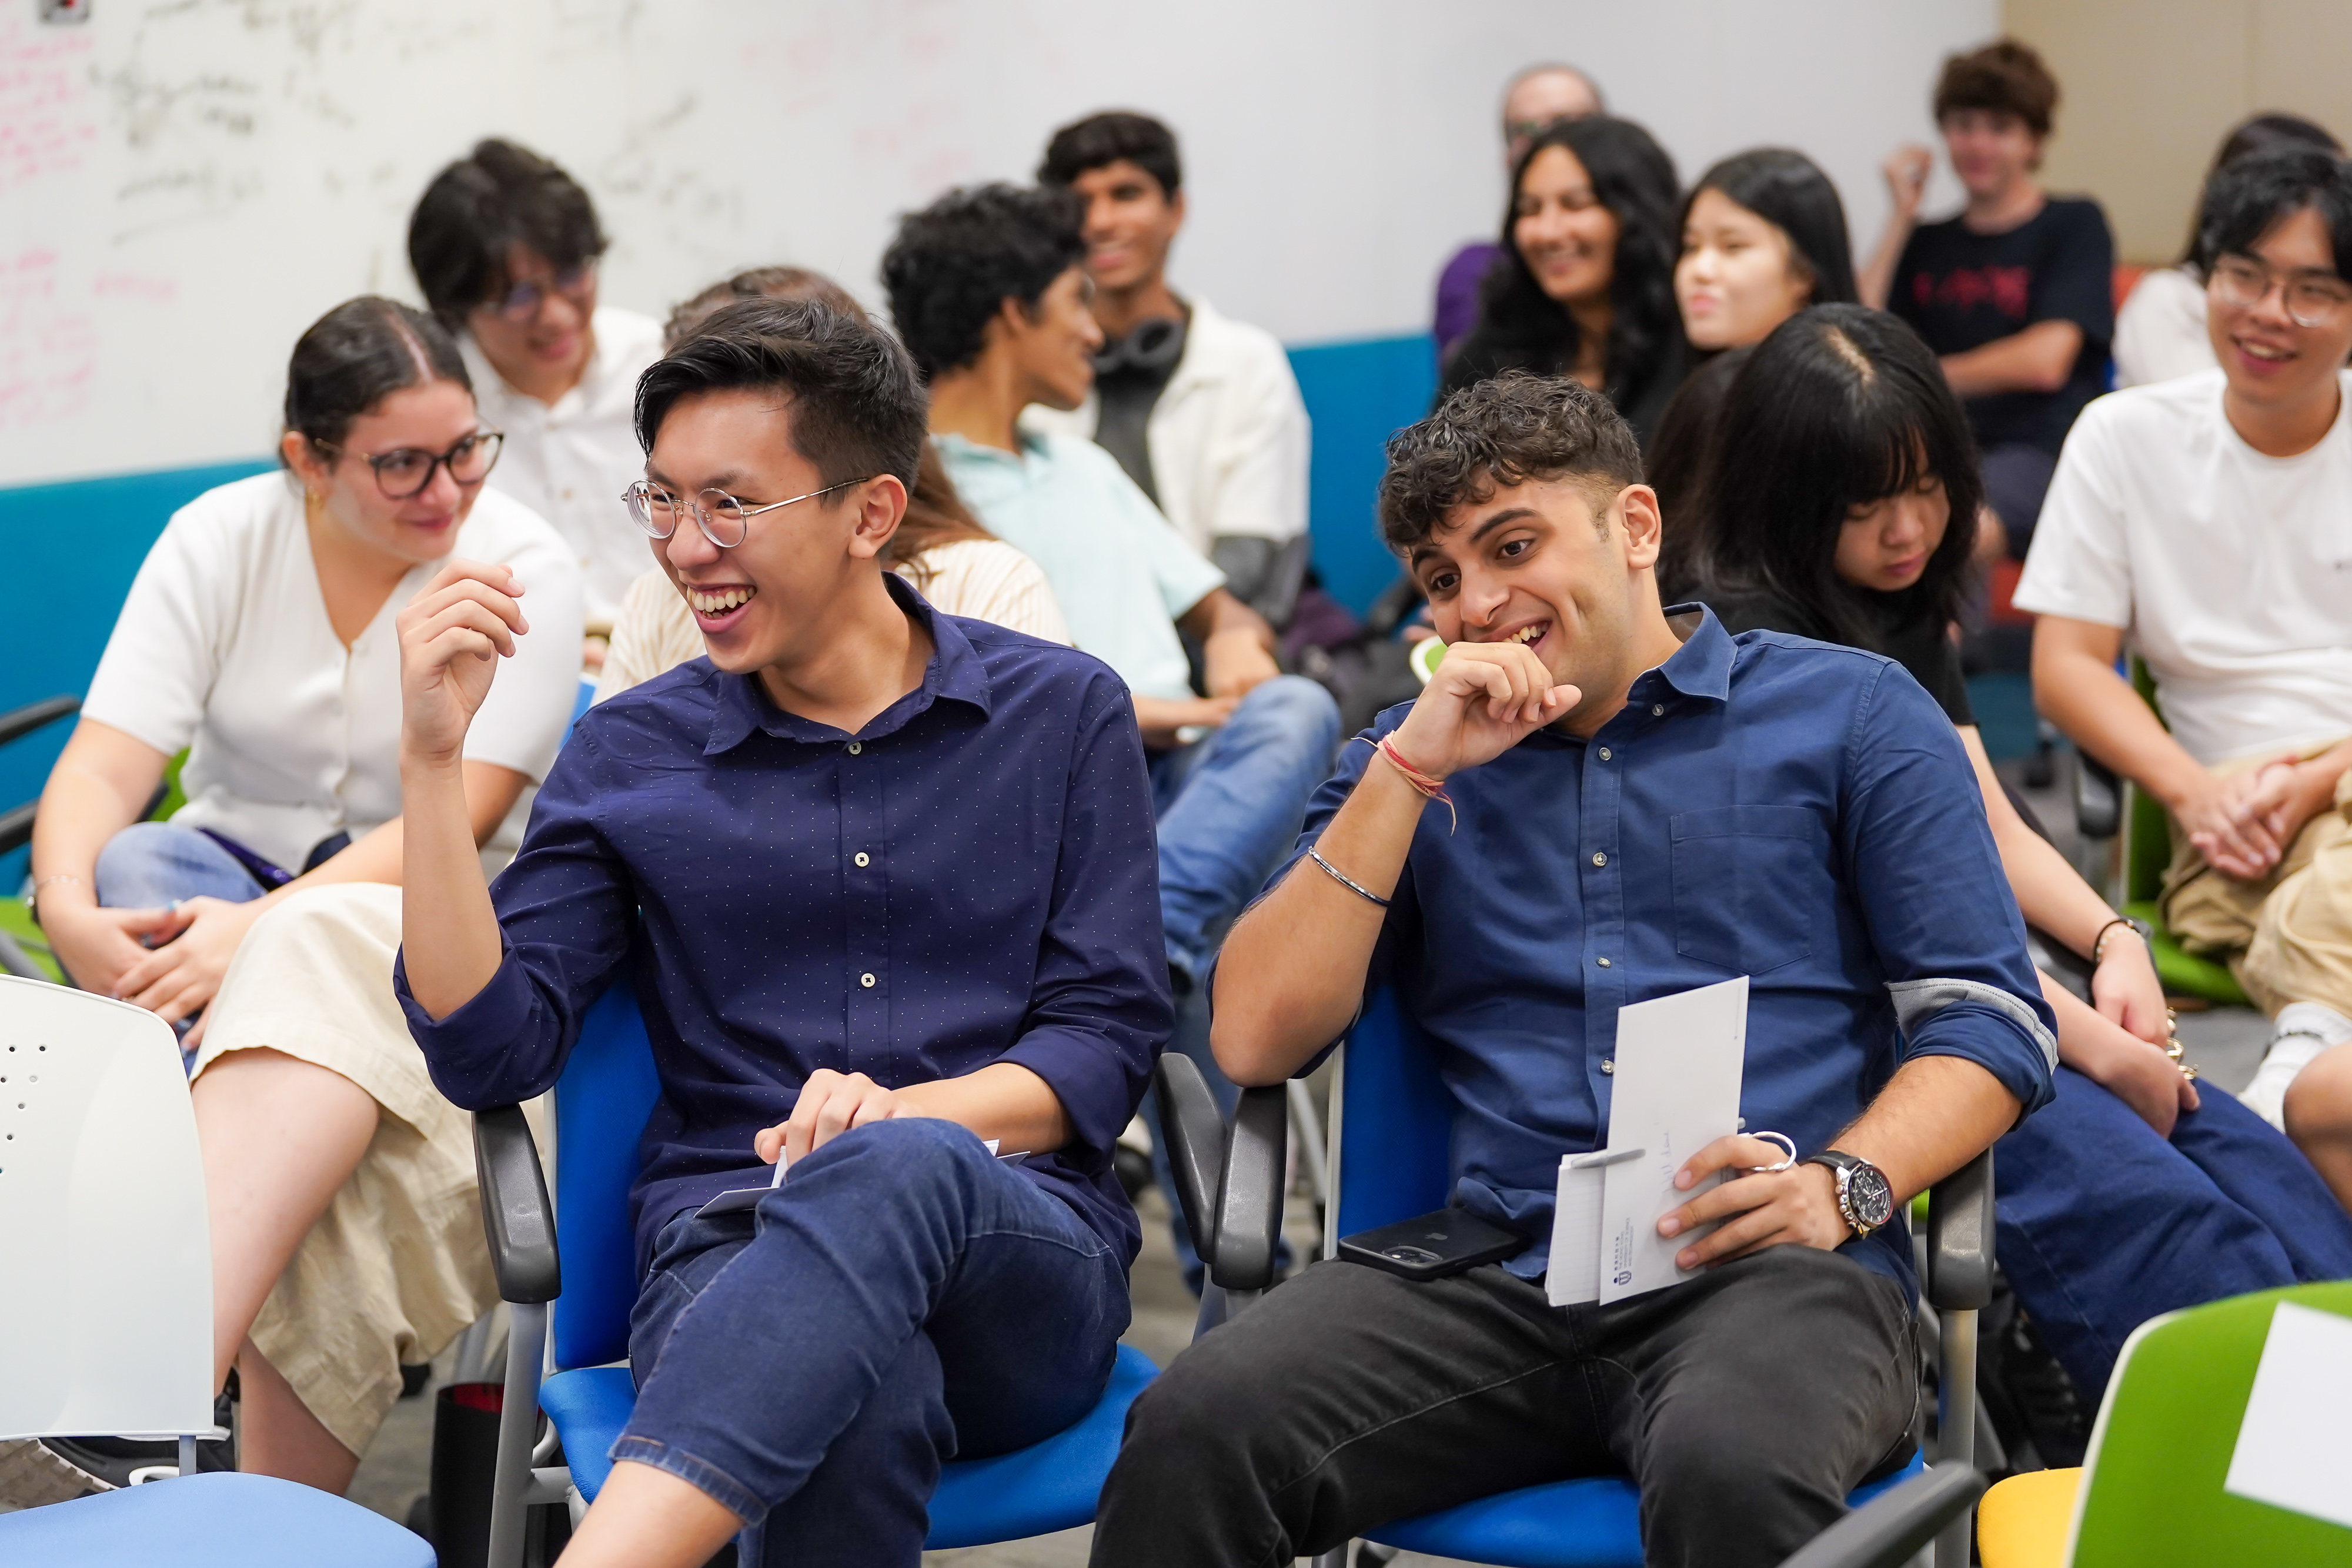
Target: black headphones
x=1153, y=346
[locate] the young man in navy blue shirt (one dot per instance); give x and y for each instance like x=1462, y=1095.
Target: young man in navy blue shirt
x=884, y=880
x=1646, y=805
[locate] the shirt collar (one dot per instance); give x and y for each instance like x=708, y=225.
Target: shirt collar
x=955, y=672
x=1701, y=667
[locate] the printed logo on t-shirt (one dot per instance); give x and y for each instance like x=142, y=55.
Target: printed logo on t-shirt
x=1965, y=287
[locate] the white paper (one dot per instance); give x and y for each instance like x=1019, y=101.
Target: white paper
x=2295, y=1447
x=737, y=1198
x=1676, y=1089
x=1572, y=1276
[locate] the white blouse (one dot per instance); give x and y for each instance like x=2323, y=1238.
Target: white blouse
x=980, y=579
x=224, y=647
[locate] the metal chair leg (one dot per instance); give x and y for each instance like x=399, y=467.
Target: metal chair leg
x=518, y=1425
x=1955, y=1422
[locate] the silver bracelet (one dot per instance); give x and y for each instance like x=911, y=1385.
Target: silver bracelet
x=32, y=897
x=1336, y=875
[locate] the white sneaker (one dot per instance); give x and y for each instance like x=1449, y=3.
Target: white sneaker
x=2305, y=1030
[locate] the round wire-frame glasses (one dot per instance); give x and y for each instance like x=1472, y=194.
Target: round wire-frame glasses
x=2245, y=284
x=724, y=521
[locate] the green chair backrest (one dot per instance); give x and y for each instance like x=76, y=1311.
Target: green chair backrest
x=2148, y=833
x=2152, y=1488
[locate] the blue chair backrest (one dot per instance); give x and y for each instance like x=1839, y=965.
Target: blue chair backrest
x=1395, y=1122
x=601, y=1101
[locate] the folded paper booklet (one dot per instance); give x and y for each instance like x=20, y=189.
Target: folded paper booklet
x=737, y=1198
x=1675, y=1089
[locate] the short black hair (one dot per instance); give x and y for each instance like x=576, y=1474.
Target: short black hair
x=2252, y=136
x=2004, y=76
x=1509, y=430
x=358, y=354
x=1840, y=408
x=1107, y=137
x=2246, y=199
x=955, y=262
x=857, y=408
x=499, y=195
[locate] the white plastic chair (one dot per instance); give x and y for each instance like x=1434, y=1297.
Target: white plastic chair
x=106, y=1300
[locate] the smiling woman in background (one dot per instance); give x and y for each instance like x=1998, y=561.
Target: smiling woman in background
x=1763, y=236
x=260, y=636
x=1584, y=287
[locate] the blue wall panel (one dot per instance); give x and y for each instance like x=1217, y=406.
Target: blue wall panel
x=1359, y=394
x=71, y=552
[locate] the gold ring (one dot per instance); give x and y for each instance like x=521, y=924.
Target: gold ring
x=2189, y=1072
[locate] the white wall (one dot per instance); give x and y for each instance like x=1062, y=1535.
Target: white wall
x=185, y=184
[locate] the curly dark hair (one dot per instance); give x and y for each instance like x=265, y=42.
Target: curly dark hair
x=1107, y=137
x=954, y=263
x=1521, y=326
x=1506, y=430
x=499, y=195
x=2005, y=76
x=857, y=407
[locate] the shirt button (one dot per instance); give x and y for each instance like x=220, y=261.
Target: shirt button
x=1602, y=962
x=1610, y=1067
x=1604, y=754
x=1657, y=710
x=1600, y=859
x=859, y=858
x=866, y=980
x=854, y=748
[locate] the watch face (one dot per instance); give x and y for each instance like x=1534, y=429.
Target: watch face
x=1873, y=1200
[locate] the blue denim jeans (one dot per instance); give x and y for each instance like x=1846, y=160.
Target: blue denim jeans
x=2103, y=1225
x=1228, y=808
x=150, y=864
x=902, y=1298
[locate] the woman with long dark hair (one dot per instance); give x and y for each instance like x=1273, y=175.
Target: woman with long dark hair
x=1584, y=287
x=1842, y=461
x=1763, y=236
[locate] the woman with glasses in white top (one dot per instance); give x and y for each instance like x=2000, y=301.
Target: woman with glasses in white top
x=263, y=916
x=505, y=245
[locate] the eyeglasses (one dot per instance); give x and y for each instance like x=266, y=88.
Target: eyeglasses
x=2310, y=301
x=723, y=520
x=405, y=471
x=524, y=299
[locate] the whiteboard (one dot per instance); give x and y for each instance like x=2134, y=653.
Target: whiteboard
x=184, y=185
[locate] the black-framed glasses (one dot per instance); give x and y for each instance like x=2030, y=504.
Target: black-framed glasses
x=2244, y=283
x=724, y=521
x=406, y=470
x=524, y=299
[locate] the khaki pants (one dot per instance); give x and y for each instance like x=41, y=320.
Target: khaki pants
x=2287, y=937
x=397, y=1267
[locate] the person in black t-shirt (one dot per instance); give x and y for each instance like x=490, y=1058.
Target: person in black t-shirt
x=2014, y=294
x=1841, y=461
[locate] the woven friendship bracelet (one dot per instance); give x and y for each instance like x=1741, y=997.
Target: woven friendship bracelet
x=1434, y=789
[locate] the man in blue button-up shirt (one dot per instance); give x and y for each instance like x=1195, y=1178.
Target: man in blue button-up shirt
x=1645, y=806
x=884, y=879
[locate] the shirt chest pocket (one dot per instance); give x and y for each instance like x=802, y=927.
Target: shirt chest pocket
x=1750, y=886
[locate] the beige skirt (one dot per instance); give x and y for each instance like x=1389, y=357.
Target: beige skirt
x=397, y=1267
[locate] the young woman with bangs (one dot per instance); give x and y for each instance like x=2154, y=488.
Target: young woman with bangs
x=1584, y=287
x=1841, y=458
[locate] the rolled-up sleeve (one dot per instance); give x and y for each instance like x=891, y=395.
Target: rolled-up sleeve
x=1100, y=1009
x=1930, y=884
x=565, y=912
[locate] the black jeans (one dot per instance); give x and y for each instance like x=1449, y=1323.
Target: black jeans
x=1746, y=1404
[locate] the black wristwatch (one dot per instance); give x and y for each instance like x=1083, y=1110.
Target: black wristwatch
x=1865, y=1198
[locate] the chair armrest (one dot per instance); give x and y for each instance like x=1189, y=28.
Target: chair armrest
x=16, y=827
x=1249, y=1190
x=1887, y=1530
x=2099, y=799
x=23, y=721
x=1194, y=1135
x=516, y=1216
x=1960, y=1238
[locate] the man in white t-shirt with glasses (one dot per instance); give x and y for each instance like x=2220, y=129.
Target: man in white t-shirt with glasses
x=2209, y=519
